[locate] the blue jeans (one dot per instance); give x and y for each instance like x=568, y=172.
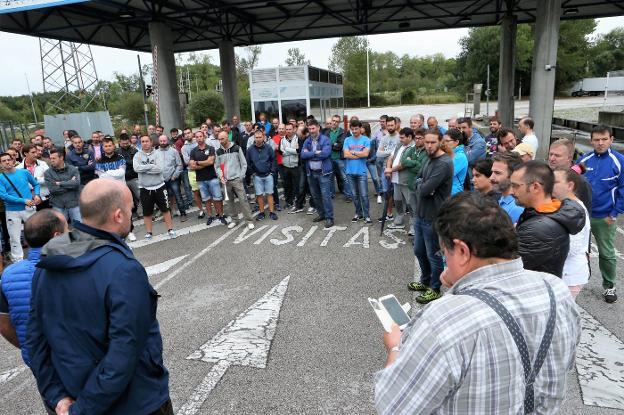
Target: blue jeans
x=320, y=187
x=188, y=192
x=210, y=190
x=71, y=214
x=372, y=169
x=173, y=186
x=263, y=185
x=359, y=184
x=381, y=166
x=340, y=171
x=426, y=249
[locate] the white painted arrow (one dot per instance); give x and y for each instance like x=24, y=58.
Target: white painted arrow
x=245, y=341
x=163, y=266
x=600, y=364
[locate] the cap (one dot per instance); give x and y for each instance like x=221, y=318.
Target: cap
x=524, y=148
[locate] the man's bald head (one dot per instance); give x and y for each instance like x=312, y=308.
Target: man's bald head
x=104, y=204
x=43, y=226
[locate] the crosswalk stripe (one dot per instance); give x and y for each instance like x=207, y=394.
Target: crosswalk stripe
x=11, y=374
x=163, y=266
x=180, y=232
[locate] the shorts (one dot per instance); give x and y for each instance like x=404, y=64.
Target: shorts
x=210, y=189
x=193, y=180
x=158, y=197
x=263, y=185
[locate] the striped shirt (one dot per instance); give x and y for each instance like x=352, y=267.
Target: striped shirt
x=458, y=357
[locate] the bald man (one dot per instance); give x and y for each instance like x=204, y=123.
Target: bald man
x=101, y=330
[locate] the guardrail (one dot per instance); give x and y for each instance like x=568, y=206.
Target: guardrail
x=618, y=132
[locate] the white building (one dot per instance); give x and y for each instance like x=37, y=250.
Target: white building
x=296, y=92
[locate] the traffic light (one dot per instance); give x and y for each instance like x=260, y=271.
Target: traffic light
x=148, y=90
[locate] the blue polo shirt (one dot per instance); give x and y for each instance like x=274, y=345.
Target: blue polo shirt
x=508, y=203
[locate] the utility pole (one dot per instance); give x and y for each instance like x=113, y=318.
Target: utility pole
x=604, y=102
x=367, y=73
x=487, y=93
x=32, y=103
x=143, y=92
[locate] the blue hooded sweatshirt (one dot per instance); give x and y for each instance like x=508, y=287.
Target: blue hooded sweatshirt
x=93, y=333
x=604, y=174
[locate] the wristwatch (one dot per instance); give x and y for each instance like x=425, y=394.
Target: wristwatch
x=395, y=349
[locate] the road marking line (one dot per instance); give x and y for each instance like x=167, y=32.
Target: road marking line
x=11, y=374
x=198, y=255
x=141, y=222
x=200, y=394
x=163, y=266
x=600, y=364
x=307, y=236
x=620, y=230
x=265, y=235
x=180, y=232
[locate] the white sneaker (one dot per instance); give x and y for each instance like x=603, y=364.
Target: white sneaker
x=311, y=211
x=148, y=236
x=379, y=201
x=250, y=226
x=172, y=234
x=131, y=237
x=231, y=225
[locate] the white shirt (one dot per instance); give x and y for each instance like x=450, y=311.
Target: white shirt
x=576, y=268
x=531, y=139
x=395, y=162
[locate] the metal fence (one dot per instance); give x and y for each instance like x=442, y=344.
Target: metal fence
x=9, y=131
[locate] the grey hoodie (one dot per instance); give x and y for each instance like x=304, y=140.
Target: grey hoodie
x=186, y=150
x=150, y=168
x=172, y=164
x=234, y=161
x=290, y=155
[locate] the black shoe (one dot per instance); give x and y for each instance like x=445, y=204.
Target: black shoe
x=329, y=223
x=273, y=216
x=610, y=296
x=223, y=220
x=318, y=218
x=278, y=207
x=209, y=220
x=260, y=216
x=348, y=200
x=201, y=215
x=355, y=219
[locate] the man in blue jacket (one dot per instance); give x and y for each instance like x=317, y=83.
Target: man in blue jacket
x=17, y=278
x=19, y=200
x=606, y=178
x=316, y=153
x=260, y=158
x=95, y=345
x=83, y=159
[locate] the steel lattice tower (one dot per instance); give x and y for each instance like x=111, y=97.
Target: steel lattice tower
x=69, y=72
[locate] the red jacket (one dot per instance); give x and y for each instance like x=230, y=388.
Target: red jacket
x=277, y=139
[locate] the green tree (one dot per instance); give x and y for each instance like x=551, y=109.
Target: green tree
x=130, y=107
x=206, y=104
x=607, y=53
x=296, y=57
x=6, y=114
x=574, y=48
x=348, y=56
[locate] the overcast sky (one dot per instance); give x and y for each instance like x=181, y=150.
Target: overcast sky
x=21, y=53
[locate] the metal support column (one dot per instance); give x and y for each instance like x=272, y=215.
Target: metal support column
x=506, y=70
x=166, y=87
x=228, y=75
x=544, y=69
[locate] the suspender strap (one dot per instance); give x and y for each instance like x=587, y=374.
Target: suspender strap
x=530, y=371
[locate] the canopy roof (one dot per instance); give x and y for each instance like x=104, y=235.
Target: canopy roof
x=202, y=24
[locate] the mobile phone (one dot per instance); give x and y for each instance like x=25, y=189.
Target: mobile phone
x=394, y=308
x=389, y=310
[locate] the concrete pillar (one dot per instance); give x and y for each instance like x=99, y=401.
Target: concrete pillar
x=544, y=69
x=228, y=75
x=506, y=70
x=167, y=98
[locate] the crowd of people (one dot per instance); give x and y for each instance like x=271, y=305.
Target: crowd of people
x=487, y=219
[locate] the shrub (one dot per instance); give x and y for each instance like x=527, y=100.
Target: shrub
x=205, y=104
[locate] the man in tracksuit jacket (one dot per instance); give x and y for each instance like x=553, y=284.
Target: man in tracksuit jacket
x=17, y=278
x=231, y=168
x=19, y=200
x=605, y=175
x=111, y=165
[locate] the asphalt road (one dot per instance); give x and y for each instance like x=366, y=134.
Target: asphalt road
x=326, y=344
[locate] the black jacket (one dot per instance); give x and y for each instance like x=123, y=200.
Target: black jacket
x=128, y=154
x=544, y=238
